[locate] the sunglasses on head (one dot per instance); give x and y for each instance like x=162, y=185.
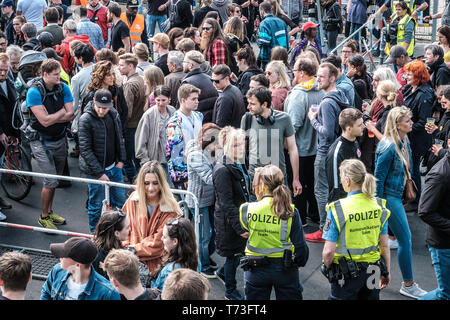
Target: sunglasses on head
x=118, y=219
x=173, y=222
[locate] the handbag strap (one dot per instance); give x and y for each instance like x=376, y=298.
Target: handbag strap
x=405, y=164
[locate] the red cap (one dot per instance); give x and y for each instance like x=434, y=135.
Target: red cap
x=308, y=25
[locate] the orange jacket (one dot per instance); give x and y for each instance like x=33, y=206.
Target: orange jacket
x=145, y=235
x=136, y=28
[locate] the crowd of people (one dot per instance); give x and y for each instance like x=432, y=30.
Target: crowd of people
x=269, y=135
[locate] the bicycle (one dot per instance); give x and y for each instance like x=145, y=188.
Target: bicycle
x=16, y=186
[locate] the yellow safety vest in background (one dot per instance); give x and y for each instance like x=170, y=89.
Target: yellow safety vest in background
x=269, y=236
x=359, y=220
x=401, y=35
x=136, y=28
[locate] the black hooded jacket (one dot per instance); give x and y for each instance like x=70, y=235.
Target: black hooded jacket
x=94, y=141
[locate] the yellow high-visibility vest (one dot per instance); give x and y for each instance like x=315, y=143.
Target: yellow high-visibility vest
x=401, y=35
x=359, y=220
x=269, y=235
x=136, y=28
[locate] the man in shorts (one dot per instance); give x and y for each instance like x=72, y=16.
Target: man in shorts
x=51, y=105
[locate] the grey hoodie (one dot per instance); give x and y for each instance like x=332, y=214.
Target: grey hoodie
x=221, y=6
x=327, y=121
x=297, y=106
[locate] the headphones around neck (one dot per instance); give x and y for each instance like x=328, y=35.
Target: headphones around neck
x=262, y=121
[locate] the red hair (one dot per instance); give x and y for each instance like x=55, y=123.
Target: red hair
x=418, y=70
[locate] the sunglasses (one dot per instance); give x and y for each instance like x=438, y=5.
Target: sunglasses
x=217, y=80
x=268, y=73
x=120, y=217
x=206, y=28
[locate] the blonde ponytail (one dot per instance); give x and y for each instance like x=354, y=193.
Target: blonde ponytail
x=369, y=186
x=271, y=178
x=355, y=170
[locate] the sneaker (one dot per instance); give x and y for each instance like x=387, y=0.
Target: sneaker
x=393, y=244
x=220, y=276
x=235, y=295
x=413, y=291
x=47, y=223
x=2, y=216
x=56, y=219
x=209, y=273
x=212, y=264
x=315, y=236
x=4, y=204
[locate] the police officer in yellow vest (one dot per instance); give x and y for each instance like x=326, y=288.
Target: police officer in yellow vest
x=135, y=22
x=356, y=238
x=275, y=237
x=414, y=5
x=401, y=28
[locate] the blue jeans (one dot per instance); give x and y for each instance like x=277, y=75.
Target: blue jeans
x=131, y=165
x=441, y=263
x=205, y=233
x=228, y=270
x=97, y=195
x=353, y=28
x=332, y=38
x=398, y=223
x=259, y=281
x=151, y=23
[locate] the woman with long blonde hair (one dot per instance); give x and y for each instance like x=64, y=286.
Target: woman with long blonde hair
x=393, y=166
x=280, y=83
x=148, y=209
x=274, y=227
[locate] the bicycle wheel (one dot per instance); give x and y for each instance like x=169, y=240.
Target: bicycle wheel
x=16, y=186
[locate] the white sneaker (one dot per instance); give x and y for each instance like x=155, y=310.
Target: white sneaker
x=393, y=244
x=2, y=216
x=413, y=291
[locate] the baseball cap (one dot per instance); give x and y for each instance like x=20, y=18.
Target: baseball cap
x=46, y=39
x=103, y=98
x=51, y=54
x=162, y=39
x=7, y=3
x=396, y=52
x=310, y=24
x=81, y=250
x=132, y=3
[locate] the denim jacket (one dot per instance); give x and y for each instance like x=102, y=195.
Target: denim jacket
x=97, y=288
x=389, y=169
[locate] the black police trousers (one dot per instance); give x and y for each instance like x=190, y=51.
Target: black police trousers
x=356, y=289
x=259, y=281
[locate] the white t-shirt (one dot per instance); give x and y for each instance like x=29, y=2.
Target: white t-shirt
x=74, y=289
x=33, y=11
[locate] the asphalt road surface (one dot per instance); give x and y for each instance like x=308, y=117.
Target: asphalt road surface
x=70, y=203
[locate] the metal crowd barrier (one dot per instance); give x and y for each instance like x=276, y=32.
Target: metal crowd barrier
x=107, y=185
